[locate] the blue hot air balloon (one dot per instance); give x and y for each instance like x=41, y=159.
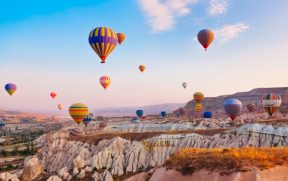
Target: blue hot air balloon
x=232, y=107
x=140, y=113
x=207, y=114
x=135, y=120
x=87, y=119
x=163, y=114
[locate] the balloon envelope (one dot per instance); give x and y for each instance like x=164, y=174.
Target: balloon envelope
x=198, y=97
x=251, y=107
x=140, y=113
x=87, y=119
x=78, y=112
x=121, y=37
x=10, y=88
x=60, y=107
x=53, y=95
x=103, y=40
x=142, y=68
x=207, y=114
x=232, y=107
x=198, y=107
x=205, y=37
x=184, y=84
x=271, y=103
x=163, y=113
x=105, y=81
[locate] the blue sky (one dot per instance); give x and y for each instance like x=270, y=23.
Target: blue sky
x=44, y=47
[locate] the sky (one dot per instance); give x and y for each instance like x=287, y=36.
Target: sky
x=44, y=47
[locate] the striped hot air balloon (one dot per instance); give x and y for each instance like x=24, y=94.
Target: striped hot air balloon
x=121, y=37
x=198, y=97
x=205, y=37
x=10, y=88
x=251, y=107
x=271, y=103
x=142, y=68
x=103, y=40
x=105, y=81
x=233, y=107
x=78, y=112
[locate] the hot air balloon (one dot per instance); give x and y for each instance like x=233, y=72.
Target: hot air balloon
x=103, y=40
x=163, y=114
x=53, y=95
x=198, y=107
x=140, y=113
x=142, y=68
x=121, y=37
x=87, y=119
x=251, y=107
x=75, y=132
x=207, y=114
x=2, y=124
x=60, y=107
x=198, y=97
x=10, y=88
x=232, y=107
x=271, y=103
x=184, y=85
x=105, y=81
x=78, y=112
x=205, y=37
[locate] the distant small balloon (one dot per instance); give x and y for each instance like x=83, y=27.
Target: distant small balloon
x=105, y=81
x=142, y=68
x=198, y=97
x=140, y=113
x=121, y=37
x=207, y=114
x=163, y=114
x=205, y=37
x=184, y=85
x=60, y=106
x=233, y=107
x=10, y=88
x=53, y=95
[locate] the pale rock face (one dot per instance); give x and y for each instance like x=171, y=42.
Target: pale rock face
x=96, y=176
x=64, y=173
x=143, y=176
x=106, y=176
x=54, y=178
x=81, y=174
x=8, y=177
x=122, y=156
x=88, y=169
x=32, y=169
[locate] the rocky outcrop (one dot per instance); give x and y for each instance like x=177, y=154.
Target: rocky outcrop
x=8, y=177
x=275, y=174
x=122, y=156
x=54, y=178
x=106, y=176
x=32, y=169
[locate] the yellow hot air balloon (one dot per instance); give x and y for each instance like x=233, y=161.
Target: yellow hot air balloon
x=142, y=68
x=198, y=97
x=198, y=107
x=78, y=112
x=121, y=37
x=105, y=81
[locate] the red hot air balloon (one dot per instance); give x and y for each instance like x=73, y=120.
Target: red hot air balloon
x=105, y=81
x=53, y=95
x=205, y=37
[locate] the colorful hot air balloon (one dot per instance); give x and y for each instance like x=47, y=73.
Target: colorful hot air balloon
x=121, y=37
x=205, y=37
x=163, y=114
x=53, y=95
x=140, y=113
x=271, y=103
x=198, y=107
x=232, y=107
x=87, y=119
x=78, y=112
x=142, y=68
x=103, y=40
x=198, y=97
x=184, y=84
x=207, y=114
x=251, y=107
x=60, y=106
x=10, y=88
x=105, y=81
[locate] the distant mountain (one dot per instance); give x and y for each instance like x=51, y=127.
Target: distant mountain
x=130, y=111
x=215, y=104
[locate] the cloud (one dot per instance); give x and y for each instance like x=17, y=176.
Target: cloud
x=161, y=14
x=217, y=7
x=229, y=32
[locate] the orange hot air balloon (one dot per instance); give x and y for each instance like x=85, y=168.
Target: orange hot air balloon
x=78, y=112
x=53, y=95
x=121, y=37
x=142, y=68
x=205, y=37
x=60, y=107
x=105, y=81
x=198, y=97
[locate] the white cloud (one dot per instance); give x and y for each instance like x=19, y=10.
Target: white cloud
x=217, y=7
x=229, y=32
x=161, y=14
